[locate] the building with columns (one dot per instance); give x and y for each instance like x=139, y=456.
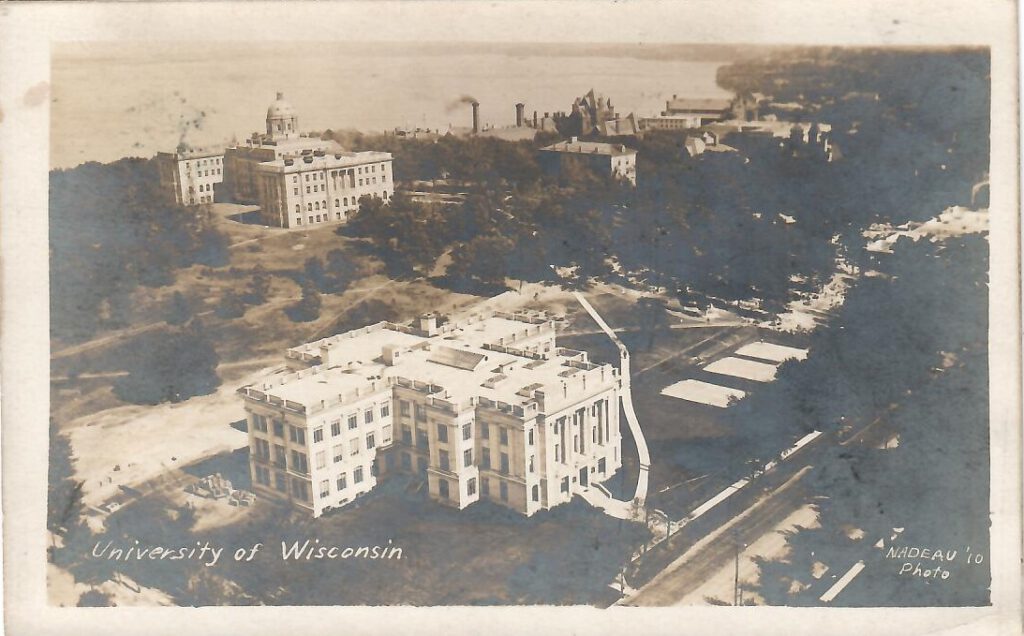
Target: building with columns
x=296, y=179
x=488, y=407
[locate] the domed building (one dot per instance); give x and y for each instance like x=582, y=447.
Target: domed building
x=296, y=178
x=281, y=118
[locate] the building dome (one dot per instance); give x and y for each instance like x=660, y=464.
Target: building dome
x=280, y=108
x=281, y=118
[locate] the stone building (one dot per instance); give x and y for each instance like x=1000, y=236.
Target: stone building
x=189, y=176
x=485, y=408
x=612, y=160
x=295, y=178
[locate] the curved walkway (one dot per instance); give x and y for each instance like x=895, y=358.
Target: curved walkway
x=626, y=396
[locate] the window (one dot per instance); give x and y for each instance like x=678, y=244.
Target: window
x=259, y=423
x=335, y=428
x=307, y=177
x=299, y=490
x=407, y=435
x=296, y=435
x=307, y=190
x=536, y=493
x=310, y=218
x=357, y=475
x=318, y=434
x=421, y=413
x=279, y=482
x=337, y=203
x=421, y=438
x=263, y=475
x=345, y=200
x=321, y=459
x=342, y=482
x=353, y=422
x=471, y=486
x=529, y=437
x=503, y=491
x=295, y=178
x=485, y=487
x=485, y=431
x=385, y=410
x=504, y=463
x=339, y=453
x=337, y=215
x=325, y=489
x=262, y=449
x=278, y=428
x=298, y=220
x=442, y=432
x=485, y=458
x=532, y=468
x=370, y=442
x=298, y=210
x=565, y=484
x=467, y=431
x=443, y=460
x=368, y=415
x=467, y=457
x=360, y=182
x=279, y=456
x=316, y=206
x=403, y=407
x=353, y=446
x=299, y=463
x=406, y=461
x=503, y=435
x=317, y=218
x=442, y=488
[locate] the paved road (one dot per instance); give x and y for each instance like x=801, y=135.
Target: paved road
x=626, y=397
x=718, y=548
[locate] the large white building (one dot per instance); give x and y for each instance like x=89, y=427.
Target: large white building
x=295, y=178
x=189, y=175
x=321, y=187
x=484, y=408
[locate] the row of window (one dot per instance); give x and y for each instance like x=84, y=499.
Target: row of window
x=334, y=173
x=213, y=161
x=341, y=483
x=203, y=173
x=202, y=187
x=202, y=199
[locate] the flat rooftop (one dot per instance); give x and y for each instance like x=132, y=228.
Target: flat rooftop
x=590, y=148
x=326, y=161
x=483, y=356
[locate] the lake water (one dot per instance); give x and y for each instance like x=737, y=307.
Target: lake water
x=115, y=101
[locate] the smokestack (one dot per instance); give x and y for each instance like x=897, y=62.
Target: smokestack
x=534, y=119
x=519, y=115
x=476, y=117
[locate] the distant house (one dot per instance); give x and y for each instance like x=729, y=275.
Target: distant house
x=701, y=110
x=613, y=160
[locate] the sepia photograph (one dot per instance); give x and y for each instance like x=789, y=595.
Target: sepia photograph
x=610, y=321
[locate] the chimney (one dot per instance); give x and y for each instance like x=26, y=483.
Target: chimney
x=476, y=117
x=534, y=119
x=428, y=322
x=391, y=354
x=519, y=115
x=573, y=139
